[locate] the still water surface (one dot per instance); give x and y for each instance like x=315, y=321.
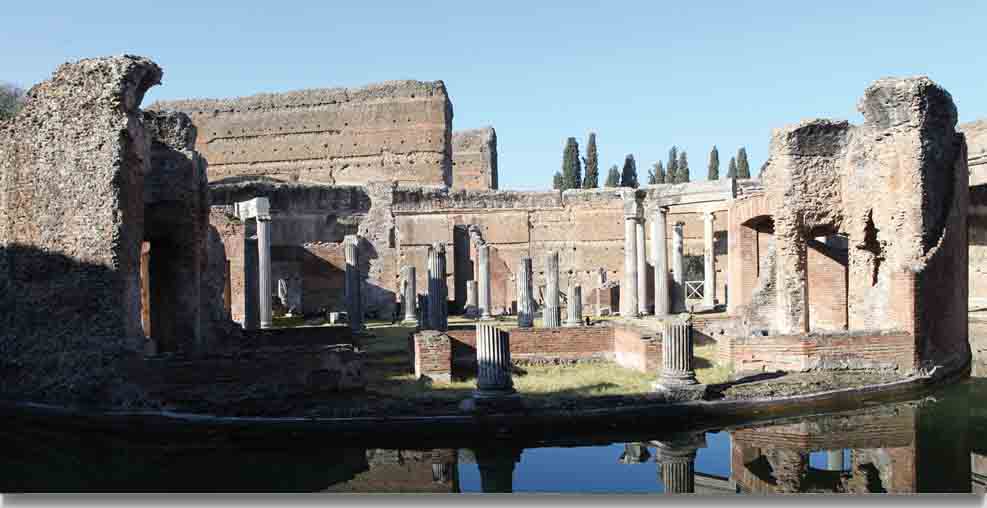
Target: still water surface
x=934, y=444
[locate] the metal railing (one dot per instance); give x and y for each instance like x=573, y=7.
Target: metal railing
x=694, y=289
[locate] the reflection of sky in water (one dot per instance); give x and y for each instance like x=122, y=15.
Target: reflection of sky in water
x=597, y=469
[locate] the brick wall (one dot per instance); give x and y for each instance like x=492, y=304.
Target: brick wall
x=432, y=355
x=635, y=349
x=805, y=352
x=826, y=279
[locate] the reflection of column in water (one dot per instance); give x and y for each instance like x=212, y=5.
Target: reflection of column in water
x=834, y=460
x=497, y=468
x=634, y=453
x=676, y=457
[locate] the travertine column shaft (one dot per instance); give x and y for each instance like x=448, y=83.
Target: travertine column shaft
x=709, y=262
x=676, y=353
x=437, y=293
x=677, y=458
x=471, y=309
x=678, y=269
x=354, y=283
x=264, y=265
x=659, y=252
x=551, y=316
x=409, y=293
x=628, y=289
x=483, y=288
x=642, y=269
x=496, y=465
x=834, y=460
x=574, y=307
x=525, y=297
x=493, y=361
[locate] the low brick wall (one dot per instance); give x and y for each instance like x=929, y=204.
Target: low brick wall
x=297, y=336
x=808, y=352
x=432, y=355
x=636, y=349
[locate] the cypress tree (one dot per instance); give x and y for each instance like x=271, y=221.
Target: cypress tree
x=628, y=177
x=572, y=174
x=714, y=165
x=557, y=181
x=672, y=169
x=613, y=177
x=743, y=168
x=732, y=168
x=592, y=163
x=683, y=170
x=657, y=175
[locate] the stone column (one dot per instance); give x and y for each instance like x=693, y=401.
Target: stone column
x=471, y=309
x=642, y=269
x=551, y=315
x=574, y=307
x=678, y=269
x=634, y=453
x=659, y=252
x=496, y=465
x=437, y=303
x=628, y=289
x=709, y=263
x=354, y=289
x=409, y=294
x=264, y=265
x=834, y=460
x=483, y=300
x=677, y=459
x=525, y=298
x=493, y=362
x=676, y=354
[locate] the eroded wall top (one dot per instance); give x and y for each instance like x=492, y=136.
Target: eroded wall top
x=976, y=141
x=398, y=131
x=474, y=159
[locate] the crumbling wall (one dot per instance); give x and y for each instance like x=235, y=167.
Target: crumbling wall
x=976, y=139
x=398, y=131
x=474, y=159
x=72, y=167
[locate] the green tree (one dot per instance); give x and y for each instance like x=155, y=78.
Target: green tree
x=11, y=100
x=656, y=174
x=732, y=168
x=683, y=170
x=743, y=167
x=557, y=181
x=613, y=177
x=592, y=164
x=714, y=165
x=672, y=169
x=572, y=173
x=628, y=176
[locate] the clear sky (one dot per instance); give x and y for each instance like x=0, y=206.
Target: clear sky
x=643, y=75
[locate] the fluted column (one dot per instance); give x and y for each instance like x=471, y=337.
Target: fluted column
x=676, y=353
x=709, y=262
x=551, y=316
x=409, y=293
x=496, y=465
x=677, y=458
x=628, y=289
x=437, y=292
x=634, y=453
x=493, y=361
x=525, y=298
x=264, y=265
x=678, y=268
x=642, y=269
x=471, y=310
x=354, y=290
x=483, y=287
x=574, y=306
x=659, y=252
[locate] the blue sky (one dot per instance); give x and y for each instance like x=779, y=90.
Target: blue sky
x=643, y=75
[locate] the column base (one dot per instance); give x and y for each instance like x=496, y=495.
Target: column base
x=488, y=317
x=680, y=391
x=410, y=321
x=490, y=401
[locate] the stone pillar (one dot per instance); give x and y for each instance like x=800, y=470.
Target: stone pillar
x=678, y=269
x=574, y=307
x=493, y=362
x=634, y=453
x=525, y=299
x=251, y=300
x=409, y=294
x=551, y=315
x=659, y=252
x=354, y=289
x=834, y=460
x=676, y=354
x=483, y=300
x=628, y=289
x=264, y=265
x=677, y=459
x=437, y=295
x=496, y=467
x=642, y=268
x=709, y=263
x=471, y=310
